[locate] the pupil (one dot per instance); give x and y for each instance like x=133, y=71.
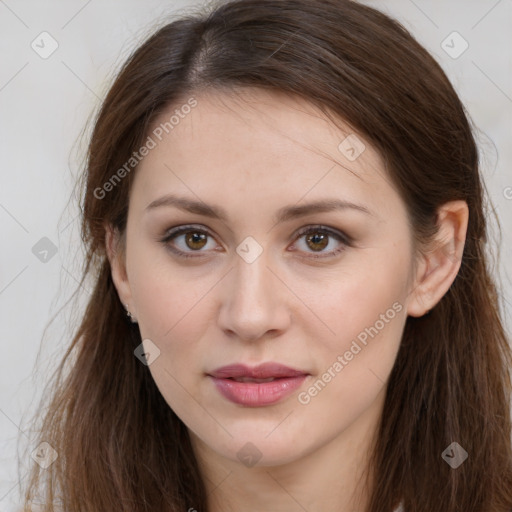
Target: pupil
x=197, y=238
x=316, y=237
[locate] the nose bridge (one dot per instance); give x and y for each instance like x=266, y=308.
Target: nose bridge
x=251, y=287
x=251, y=304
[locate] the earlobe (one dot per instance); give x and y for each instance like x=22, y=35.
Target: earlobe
x=442, y=260
x=116, y=256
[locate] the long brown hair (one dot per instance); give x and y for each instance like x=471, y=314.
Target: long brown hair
x=120, y=446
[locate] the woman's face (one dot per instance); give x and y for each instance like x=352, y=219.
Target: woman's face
x=321, y=292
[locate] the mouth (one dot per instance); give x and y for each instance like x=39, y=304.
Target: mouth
x=261, y=372
x=250, y=379
x=258, y=386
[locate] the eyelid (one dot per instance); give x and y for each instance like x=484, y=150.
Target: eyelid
x=341, y=236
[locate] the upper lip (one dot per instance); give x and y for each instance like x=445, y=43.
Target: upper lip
x=262, y=371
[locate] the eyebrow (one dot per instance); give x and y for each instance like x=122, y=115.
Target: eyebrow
x=282, y=215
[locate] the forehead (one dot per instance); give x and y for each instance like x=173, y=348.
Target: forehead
x=259, y=147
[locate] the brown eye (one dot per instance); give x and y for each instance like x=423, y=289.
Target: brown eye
x=317, y=238
x=195, y=239
x=186, y=240
x=317, y=241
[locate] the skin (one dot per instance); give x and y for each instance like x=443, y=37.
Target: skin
x=252, y=153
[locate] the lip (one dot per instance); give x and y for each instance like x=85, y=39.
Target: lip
x=257, y=394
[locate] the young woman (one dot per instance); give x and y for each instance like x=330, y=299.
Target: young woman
x=283, y=215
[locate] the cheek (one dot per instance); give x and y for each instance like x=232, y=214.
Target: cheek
x=359, y=356
x=364, y=301
x=354, y=364
x=364, y=308
x=172, y=314
x=167, y=297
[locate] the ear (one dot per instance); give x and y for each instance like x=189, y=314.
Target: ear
x=115, y=247
x=441, y=261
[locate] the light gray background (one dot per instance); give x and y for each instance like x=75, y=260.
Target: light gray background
x=44, y=104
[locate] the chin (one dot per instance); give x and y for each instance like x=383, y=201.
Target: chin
x=257, y=451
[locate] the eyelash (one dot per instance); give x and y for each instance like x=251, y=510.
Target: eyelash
x=341, y=237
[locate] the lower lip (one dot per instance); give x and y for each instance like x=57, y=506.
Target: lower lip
x=254, y=394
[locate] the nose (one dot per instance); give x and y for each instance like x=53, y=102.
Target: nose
x=255, y=301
